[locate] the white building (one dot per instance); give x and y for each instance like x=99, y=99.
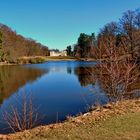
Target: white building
x=62, y=53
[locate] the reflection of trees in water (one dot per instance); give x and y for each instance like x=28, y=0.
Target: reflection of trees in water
x=85, y=75
x=118, y=80
x=69, y=70
x=13, y=77
x=117, y=84
x=20, y=116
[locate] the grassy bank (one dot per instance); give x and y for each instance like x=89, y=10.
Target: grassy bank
x=39, y=59
x=60, y=58
x=31, y=60
x=42, y=59
x=68, y=58
x=25, y=60
x=115, y=121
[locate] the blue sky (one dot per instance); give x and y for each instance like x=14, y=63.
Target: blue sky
x=58, y=23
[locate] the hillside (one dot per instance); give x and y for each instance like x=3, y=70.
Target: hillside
x=13, y=45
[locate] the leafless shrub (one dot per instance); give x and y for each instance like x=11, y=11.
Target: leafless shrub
x=116, y=72
x=22, y=117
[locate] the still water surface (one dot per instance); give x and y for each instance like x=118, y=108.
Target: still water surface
x=57, y=89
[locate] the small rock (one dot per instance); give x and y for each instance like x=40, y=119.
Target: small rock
x=107, y=106
x=105, y=110
x=86, y=114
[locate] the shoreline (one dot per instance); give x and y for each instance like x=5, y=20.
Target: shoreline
x=6, y=64
x=97, y=115
x=26, y=60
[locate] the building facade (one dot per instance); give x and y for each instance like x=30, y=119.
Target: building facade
x=61, y=53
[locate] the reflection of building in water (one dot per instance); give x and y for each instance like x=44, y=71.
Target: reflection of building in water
x=56, y=53
x=58, y=69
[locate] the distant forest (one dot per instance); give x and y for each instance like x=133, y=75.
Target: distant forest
x=122, y=36
x=13, y=46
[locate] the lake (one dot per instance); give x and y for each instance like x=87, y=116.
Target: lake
x=57, y=89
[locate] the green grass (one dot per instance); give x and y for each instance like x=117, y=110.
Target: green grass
x=41, y=59
x=122, y=127
x=60, y=58
x=114, y=121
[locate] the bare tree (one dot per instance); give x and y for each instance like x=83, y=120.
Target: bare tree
x=116, y=74
x=23, y=118
x=128, y=30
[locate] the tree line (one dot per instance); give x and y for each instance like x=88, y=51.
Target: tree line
x=13, y=46
x=124, y=35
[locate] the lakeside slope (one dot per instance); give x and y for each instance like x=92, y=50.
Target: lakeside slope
x=120, y=120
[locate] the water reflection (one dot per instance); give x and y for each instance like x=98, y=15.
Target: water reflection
x=85, y=75
x=58, y=88
x=118, y=80
x=14, y=77
x=93, y=74
x=69, y=70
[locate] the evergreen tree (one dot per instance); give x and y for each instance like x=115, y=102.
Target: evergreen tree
x=69, y=50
